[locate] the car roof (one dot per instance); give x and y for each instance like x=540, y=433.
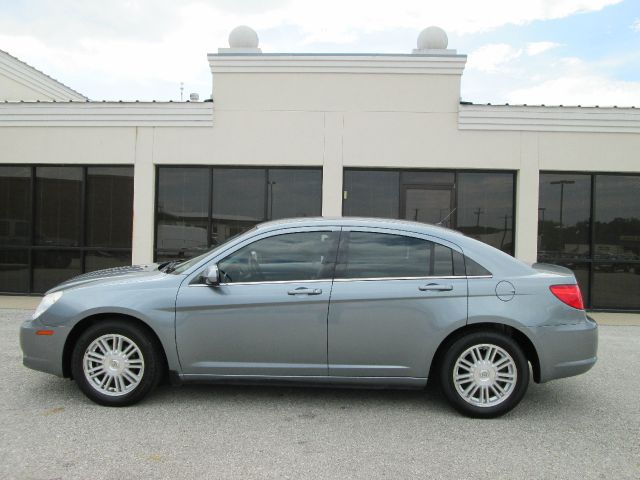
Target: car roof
x=406, y=225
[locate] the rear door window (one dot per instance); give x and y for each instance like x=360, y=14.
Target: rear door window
x=383, y=255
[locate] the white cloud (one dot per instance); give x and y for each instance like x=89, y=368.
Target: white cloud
x=144, y=48
x=536, y=48
x=579, y=89
x=492, y=58
x=636, y=25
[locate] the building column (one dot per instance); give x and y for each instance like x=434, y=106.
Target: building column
x=143, y=197
x=332, y=165
x=527, y=191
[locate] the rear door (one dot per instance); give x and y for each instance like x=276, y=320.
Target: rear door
x=394, y=294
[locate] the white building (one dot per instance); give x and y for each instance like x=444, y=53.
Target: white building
x=88, y=184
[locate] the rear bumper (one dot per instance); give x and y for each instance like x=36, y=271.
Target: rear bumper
x=566, y=350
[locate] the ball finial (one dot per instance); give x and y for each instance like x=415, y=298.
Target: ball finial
x=433, y=38
x=243, y=37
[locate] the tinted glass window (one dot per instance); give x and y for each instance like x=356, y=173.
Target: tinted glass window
x=371, y=193
x=15, y=205
x=473, y=268
x=293, y=256
x=58, y=206
x=564, y=216
x=485, y=208
x=427, y=177
x=238, y=201
x=109, y=200
x=379, y=255
x=294, y=193
x=102, y=259
x=50, y=267
x=14, y=270
x=616, y=285
x=182, y=211
x=617, y=218
x=239, y=198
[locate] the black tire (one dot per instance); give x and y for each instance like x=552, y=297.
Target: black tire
x=152, y=372
x=496, y=406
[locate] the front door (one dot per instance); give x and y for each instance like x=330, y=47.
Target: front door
x=268, y=317
x=428, y=204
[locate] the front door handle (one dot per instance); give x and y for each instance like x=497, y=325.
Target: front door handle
x=305, y=291
x=435, y=287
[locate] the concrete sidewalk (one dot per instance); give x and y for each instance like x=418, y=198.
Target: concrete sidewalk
x=23, y=302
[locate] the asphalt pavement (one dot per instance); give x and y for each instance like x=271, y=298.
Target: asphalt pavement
x=578, y=428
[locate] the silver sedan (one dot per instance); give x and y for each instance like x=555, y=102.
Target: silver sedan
x=345, y=301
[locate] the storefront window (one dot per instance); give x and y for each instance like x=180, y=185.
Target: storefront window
x=57, y=222
x=590, y=223
x=479, y=204
x=201, y=207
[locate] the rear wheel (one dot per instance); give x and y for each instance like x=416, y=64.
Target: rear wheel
x=116, y=363
x=484, y=374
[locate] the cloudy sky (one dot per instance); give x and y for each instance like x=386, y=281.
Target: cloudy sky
x=567, y=52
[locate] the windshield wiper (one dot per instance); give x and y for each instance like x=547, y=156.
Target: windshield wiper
x=168, y=267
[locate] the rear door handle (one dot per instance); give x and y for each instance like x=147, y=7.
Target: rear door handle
x=305, y=291
x=435, y=287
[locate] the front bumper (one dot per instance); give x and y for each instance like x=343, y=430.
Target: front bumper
x=42, y=352
x=566, y=350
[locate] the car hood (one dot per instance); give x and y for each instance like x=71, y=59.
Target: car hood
x=109, y=276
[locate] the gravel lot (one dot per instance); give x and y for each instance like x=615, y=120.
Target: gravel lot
x=577, y=428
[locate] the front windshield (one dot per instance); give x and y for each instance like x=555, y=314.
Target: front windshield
x=184, y=266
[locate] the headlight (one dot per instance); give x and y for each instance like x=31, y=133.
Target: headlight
x=46, y=302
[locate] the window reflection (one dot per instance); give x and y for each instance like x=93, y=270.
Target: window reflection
x=616, y=285
x=485, y=208
x=51, y=267
x=238, y=201
x=294, y=193
x=239, y=198
x=295, y=256
x=58, y=202
x=14, y=270
x=15, y=205
x=109, y=199
x=564, y=216
x=379, y=255
x=480, y=204
x=617, y=218
x=371, y=193
x=606, y=247
x=182, y=211
x=37, y=253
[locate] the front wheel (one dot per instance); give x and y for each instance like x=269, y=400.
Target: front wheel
x=116, y=363
x=484, y=374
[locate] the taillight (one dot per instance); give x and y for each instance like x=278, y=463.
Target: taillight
x=569, y=294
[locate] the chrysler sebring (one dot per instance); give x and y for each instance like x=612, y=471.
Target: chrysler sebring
x=345, y=301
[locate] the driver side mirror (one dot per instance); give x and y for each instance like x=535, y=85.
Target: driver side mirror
x=211, y=275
